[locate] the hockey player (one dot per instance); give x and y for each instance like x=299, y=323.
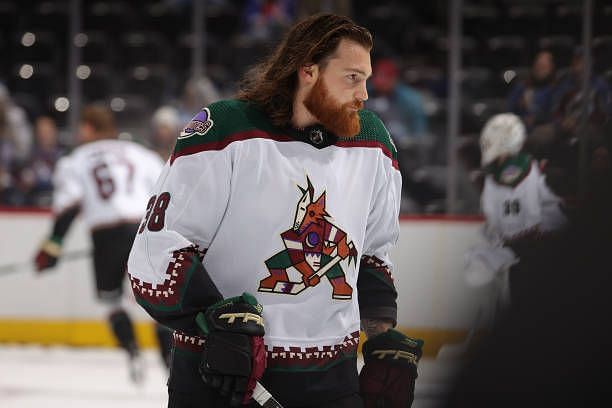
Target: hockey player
x=108, y=181
x=262, y=213
x=520, y=209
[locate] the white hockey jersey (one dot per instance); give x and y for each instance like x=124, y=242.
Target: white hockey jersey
x=270, y=207
x=517, y=201
x=110, y=179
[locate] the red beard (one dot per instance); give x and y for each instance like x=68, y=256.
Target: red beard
x=342, y=120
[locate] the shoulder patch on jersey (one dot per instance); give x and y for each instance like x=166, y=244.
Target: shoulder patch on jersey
x=199, y=125
x=234, y=120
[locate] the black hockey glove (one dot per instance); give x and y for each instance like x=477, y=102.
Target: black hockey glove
x=234, y=356
x=388, y=376
x=48, y=254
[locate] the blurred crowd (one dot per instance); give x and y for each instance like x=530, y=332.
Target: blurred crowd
x=407, y=90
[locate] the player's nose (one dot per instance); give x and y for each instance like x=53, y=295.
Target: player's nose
x=362, y=93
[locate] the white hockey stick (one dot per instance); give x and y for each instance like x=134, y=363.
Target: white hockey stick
x=293, y=288
x=458, y=350
x=29, y=265
x=497, y=303
x=264, y=398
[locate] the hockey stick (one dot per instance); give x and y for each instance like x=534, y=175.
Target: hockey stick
x=457, y=350
x=293, y=288
x=498, y=302
x=264, y=398
x=28, y=265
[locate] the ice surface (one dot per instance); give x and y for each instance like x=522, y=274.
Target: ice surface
x=62, y=377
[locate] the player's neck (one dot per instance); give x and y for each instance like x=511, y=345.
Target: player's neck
x=301, y=117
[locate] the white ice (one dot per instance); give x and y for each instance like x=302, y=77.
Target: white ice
x=61, y=377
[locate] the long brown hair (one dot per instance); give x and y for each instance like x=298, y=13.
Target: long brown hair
x=271, y=85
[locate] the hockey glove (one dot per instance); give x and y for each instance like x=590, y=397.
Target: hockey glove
x=48, y=254
x=234, y=356
x=388, y=376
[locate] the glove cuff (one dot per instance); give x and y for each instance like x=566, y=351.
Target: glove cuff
x=53, y=246
x=240, y=314
x=393, y=346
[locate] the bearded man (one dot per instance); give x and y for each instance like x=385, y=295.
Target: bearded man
x=261, y=214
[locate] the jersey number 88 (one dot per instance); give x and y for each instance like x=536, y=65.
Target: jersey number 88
x=155, y=217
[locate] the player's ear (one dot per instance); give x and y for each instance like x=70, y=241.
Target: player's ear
x=309, y=73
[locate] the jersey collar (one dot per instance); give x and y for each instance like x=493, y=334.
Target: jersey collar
x=315, y=135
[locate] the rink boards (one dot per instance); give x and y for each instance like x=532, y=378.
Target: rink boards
x=59, y=307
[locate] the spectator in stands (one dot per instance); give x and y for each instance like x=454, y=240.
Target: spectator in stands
x=400, y=106
x=401, y=109
x=37, y=175
x=166, y=126
x=267, y=19
x=308, y=7
x=15, y=144
x=16, y=129
x=532, y=99
x=570, y=100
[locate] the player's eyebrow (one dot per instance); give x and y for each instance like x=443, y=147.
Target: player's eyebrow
x=359, y=71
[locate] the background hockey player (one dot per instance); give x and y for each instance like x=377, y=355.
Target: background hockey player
x=108, y=181
x=521, y=211
x=261, y=211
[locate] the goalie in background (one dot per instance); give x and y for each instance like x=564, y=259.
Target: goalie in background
x=521, y=211
x=553, y=349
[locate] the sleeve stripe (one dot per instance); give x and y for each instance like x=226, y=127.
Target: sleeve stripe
x=259, y=134
x=223, y=143
x=371, y=144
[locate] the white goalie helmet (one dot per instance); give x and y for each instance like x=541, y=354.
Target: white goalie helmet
x=503, y=134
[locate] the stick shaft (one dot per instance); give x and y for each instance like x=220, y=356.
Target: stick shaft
x=264, y=398
x=296, y=287
x=29, y=265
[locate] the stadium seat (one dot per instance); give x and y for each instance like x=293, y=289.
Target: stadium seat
x=561, y=46
x=142, y=48
x=476, y=82
x=8, y=16
x=37, y=46
x=480, y=19
x=111, y=16
x=97, y=48
x=506, y=51
x=475, y=114
x=527, y=19
x=567, y=20
x=602, y=53
x=471, y=54
x=50, y=16
x=150, y=81
x=37, y=79
x=31, y=103
x=4, y=62
x=602, y=17
x=99, y=84
x=131, y=111
x=388, y=21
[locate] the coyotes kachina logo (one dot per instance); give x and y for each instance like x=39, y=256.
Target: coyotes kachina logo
x=314, y=247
